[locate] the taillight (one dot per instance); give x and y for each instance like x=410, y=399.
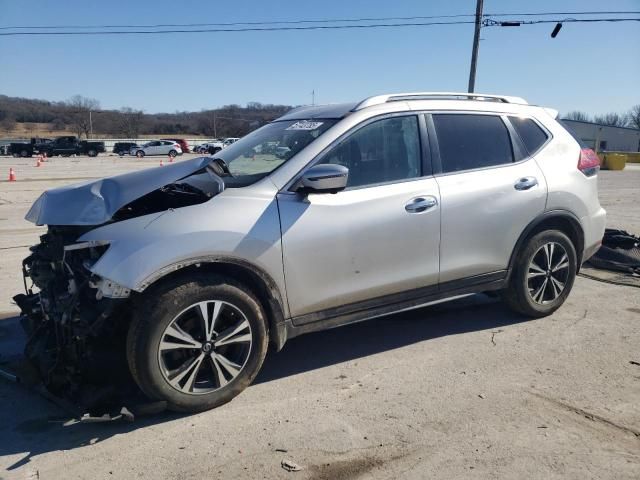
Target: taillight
x=589, y=162
x=176, y=145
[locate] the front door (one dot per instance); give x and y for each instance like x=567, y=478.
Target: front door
x=378, y=237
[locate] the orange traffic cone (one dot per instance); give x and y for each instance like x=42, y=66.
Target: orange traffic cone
x=44, y=157
x=161, y=164
x=12, y=175
x=38, y=161
x=170, y=159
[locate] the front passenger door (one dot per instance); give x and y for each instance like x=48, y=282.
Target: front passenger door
x=379, y=236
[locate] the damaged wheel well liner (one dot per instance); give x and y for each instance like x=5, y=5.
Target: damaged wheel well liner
x=258, y=281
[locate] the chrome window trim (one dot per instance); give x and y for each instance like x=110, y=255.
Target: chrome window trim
x=435, y=152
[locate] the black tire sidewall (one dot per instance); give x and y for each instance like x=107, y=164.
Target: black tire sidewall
x=173, y=153
x=519, y=281
x=150, y=321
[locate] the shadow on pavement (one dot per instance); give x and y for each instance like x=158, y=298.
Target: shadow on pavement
x=30, y=425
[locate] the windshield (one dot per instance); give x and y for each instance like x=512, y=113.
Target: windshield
x=262, y=151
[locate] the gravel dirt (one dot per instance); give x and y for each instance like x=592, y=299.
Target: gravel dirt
x=465, y=389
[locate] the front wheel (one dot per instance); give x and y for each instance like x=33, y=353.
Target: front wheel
x=196, y=344
x=139, y=154
x=543, y=274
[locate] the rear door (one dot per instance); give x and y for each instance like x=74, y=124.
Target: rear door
x=378, y=237
x=490, y=189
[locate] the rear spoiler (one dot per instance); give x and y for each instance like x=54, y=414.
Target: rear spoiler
x=553, y=113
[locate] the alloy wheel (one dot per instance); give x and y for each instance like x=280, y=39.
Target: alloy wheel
x=548, y=273
x=205, y=347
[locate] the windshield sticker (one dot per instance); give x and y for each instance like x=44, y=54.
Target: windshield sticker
x=304, y=125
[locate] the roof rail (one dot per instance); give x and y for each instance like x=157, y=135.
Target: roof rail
x=399, y=97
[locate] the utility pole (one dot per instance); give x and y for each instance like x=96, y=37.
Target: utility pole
x=215, y=130
x=90, y=125
x=313, y=97
x=476, y=42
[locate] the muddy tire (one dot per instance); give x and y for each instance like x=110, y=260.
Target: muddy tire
x=194, y=364
x=543, y=275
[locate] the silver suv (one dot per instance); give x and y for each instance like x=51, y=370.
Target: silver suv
x=328, y=215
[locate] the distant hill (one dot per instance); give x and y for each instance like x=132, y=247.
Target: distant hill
x=24, y=117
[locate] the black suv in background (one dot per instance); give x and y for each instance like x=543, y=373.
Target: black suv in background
x=122, y=148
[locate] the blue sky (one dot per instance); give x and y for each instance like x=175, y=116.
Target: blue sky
x=589, y=67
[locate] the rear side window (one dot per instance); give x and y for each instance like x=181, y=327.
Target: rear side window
x=531, y=134
x=468, y=141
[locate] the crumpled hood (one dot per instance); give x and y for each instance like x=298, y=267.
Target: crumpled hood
x=96, y=201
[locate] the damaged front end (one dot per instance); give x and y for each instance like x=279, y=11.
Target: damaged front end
x=75, y=322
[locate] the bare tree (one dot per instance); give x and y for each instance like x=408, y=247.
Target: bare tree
x=633, y=117
x=612, y=119
x=79, y=109
x=577, y=115
x=129, y=122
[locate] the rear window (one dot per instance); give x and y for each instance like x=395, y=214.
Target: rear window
x=468, y=141
x=530, y=133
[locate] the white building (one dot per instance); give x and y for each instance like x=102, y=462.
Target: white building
x=608, y=138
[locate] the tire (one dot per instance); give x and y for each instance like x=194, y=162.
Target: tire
x=24, y=153
x=176, y=303
x=15, y=155
x=140, y=154
x=527, y=292
x=173, y=153
x=92, y=153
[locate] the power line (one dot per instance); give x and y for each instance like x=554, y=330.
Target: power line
x=325, y=20
x=489, y=23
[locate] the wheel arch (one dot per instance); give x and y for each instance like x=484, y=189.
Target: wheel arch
x=561, y=220
x=254, y=278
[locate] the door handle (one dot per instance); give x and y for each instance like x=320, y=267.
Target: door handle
x=421, y=204
x=525, y=183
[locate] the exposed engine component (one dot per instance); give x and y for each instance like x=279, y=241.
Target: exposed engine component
x=74, y=333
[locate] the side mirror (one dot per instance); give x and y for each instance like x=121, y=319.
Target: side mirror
x=324, y=178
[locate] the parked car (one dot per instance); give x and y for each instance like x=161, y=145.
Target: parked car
x=229, y=141
x=63, y=146
x=184, y=145
x=123, y=148
x=157, y=147
x=211, y=147
x=379, y=206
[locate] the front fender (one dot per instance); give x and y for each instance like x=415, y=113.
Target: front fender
x=245, y=228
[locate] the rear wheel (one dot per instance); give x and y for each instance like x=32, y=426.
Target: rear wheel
x=196, y=344
x=543, y=274
x=140, y=154
x=173, y=153
x=92, y=153
x=24, y=153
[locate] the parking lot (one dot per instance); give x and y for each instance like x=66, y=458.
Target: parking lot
x=459, y=390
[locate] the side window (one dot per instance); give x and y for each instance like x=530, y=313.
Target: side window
x=468, y=141
x=531, y=134
x=383, y=151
